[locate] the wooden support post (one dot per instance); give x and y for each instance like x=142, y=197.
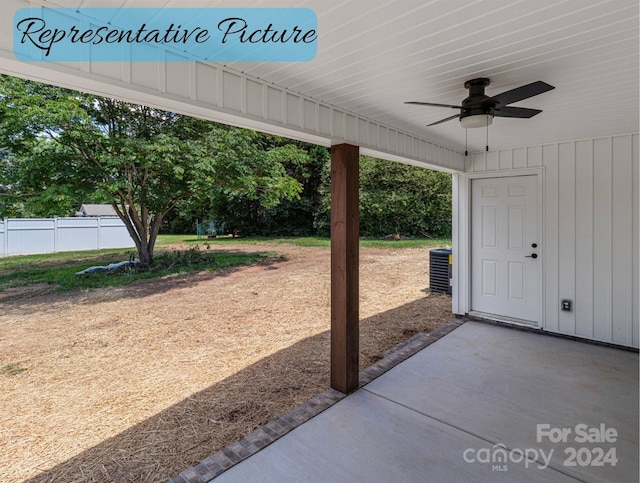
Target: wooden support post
x=345, y=233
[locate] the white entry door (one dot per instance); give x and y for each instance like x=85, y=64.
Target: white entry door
x=505, y=248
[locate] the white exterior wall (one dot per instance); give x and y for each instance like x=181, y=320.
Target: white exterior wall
x=591, y=221
x=27, y=236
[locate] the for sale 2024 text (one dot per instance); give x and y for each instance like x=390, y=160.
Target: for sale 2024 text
x=582, y=434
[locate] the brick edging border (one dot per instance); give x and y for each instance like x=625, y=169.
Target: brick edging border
x=219, y=462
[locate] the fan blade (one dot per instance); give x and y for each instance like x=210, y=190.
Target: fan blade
x=520, y=112
x=443, y=120
x=433, y=104
x=520, y=93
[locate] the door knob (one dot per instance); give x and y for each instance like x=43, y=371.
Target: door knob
x=533, y=255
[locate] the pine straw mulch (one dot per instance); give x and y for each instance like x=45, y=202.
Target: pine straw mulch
x=135, y=384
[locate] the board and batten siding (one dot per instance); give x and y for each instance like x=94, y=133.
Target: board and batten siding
x=591, y=229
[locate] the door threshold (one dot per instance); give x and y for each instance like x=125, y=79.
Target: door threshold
x=504, y=320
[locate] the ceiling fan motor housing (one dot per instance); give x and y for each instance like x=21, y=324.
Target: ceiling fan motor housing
x=476, y=104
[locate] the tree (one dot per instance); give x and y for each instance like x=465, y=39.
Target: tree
x=30, y=188
x=396, y=198
x=141, y=160
x=291, y=217
x=401, y=199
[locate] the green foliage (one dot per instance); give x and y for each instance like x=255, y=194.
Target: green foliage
x=394, y=199
x=61, y=148
x=403, y=199
x=398, y=199
x=292, y=216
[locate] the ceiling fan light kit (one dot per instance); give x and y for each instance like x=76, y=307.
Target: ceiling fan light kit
x=478, y=120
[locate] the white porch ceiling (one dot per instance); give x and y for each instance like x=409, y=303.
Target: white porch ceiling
x=374, y=55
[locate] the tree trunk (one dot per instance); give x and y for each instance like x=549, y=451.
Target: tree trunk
x=153, y=233
x=144, y=254
x=141, y=235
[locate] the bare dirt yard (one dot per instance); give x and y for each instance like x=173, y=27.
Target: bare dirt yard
x=135, y=384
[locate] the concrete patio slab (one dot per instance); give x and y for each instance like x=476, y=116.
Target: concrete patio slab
x=483, y=404
x=500, y=384
x=369, y=438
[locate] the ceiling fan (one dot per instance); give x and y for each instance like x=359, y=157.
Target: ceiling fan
x=478, y=109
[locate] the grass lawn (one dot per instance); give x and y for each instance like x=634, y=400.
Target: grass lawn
x=308, y=241
x=59, y=269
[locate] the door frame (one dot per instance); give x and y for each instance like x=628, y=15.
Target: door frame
x=461, y=236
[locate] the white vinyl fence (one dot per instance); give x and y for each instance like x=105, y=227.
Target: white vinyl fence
x=26, y=236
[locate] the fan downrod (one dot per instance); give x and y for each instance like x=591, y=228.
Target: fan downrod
x=476, y=86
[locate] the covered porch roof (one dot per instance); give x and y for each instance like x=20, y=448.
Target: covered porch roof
x=374, y=56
